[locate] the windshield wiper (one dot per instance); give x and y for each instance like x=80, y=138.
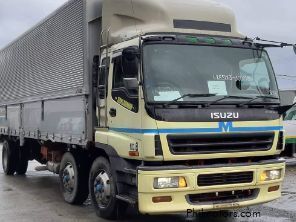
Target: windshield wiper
x=258, y=97
x=229, y=97
x=189, y=95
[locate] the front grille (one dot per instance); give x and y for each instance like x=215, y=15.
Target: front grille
x=224, y=178
x=220, y=143
x=224, y=196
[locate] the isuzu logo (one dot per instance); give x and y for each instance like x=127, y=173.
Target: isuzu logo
x=225, y=115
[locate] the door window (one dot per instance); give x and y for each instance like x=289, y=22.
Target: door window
x=126, y=98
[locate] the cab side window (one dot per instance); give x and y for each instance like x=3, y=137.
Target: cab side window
x=123, y=96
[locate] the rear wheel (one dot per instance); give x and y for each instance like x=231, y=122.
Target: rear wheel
x=73, y=179
x=9, y=157
x=103, y=191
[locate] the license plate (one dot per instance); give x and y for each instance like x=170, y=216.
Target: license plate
x=226, y=205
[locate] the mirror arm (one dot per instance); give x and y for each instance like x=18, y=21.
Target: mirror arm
x=283, y=109
x=273, y=44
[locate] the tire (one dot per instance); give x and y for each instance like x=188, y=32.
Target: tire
x=99, y=178
x=73, y=179
x=22, y=164
x=9, y=157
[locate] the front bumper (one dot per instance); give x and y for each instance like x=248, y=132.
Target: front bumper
x=180, y=197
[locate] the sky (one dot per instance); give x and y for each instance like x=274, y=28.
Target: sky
x=268, y=19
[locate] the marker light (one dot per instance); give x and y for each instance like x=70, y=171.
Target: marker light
x=210, y=40
x=227, y=42
x=192, y=39
x=169, y=182
x=269, y=175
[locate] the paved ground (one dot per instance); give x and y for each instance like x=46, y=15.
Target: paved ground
x=36, y=197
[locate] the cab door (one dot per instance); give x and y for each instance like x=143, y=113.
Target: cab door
x=124, y=113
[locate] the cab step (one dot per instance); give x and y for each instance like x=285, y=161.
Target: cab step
x=126, y=199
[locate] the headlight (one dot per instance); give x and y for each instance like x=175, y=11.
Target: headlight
x=269, y=175
x=169, y=182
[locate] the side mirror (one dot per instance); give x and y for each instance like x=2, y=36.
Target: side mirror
x=131, y=83
x=95, y=70
x=130, y=61
x=294, y=47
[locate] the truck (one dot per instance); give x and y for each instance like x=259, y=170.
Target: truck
x=289, y=97
x=162, y=105
x=290, y=130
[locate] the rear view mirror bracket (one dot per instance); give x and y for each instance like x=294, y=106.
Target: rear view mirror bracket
x=131, y=83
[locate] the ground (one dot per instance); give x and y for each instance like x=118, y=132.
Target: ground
x=36, y=197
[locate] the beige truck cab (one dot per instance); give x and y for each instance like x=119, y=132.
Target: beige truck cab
x=189, y=108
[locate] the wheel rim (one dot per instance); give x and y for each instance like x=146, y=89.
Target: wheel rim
x=4, y=158
x=102, y=189
x=69, y=178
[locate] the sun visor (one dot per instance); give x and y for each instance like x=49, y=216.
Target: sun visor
x=125, y=19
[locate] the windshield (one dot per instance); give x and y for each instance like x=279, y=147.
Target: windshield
x=172, y=71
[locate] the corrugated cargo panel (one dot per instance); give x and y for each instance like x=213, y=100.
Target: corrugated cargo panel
x=47, y=60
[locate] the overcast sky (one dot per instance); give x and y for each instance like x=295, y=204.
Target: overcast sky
x=269, y=19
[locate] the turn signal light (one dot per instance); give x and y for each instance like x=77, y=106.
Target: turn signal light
x=263, y=176
x=162, y=199
x=182, y=182
x=274, y=188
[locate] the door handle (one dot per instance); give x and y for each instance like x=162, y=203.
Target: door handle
x=112, y=112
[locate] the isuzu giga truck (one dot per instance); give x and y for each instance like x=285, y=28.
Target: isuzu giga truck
x=160, y=104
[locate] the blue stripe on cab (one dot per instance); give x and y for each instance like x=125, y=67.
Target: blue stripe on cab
x=223, y=127
x=256, y=129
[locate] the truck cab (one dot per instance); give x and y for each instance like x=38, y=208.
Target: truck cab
x=189, y=110
x=290, y=130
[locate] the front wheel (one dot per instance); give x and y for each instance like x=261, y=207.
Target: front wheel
x=102, y=188
x=73, y=179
